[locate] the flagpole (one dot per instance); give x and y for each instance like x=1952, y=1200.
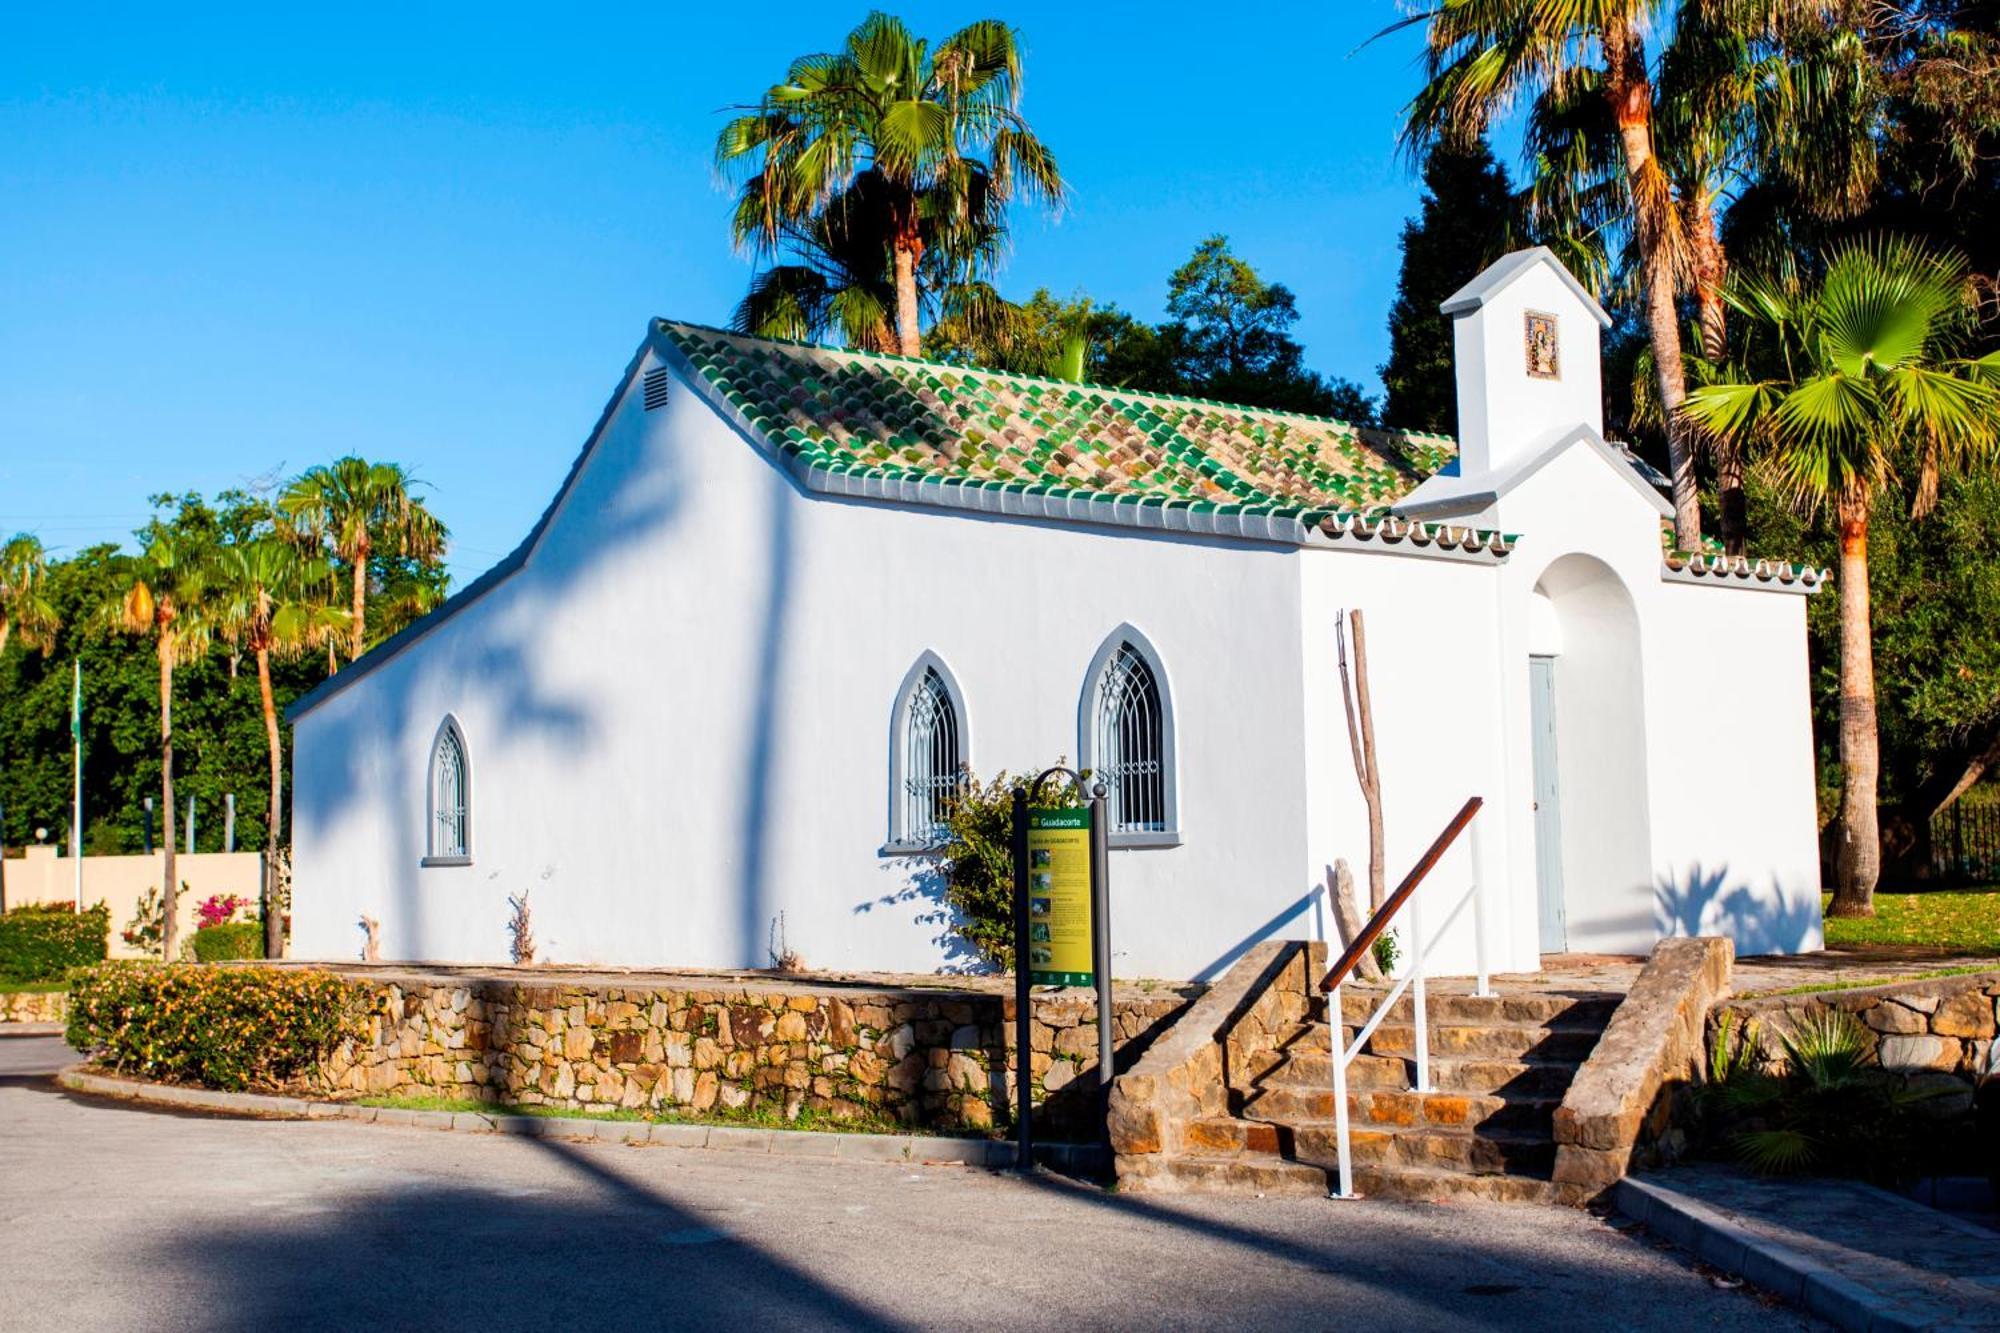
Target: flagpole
x=76, y=809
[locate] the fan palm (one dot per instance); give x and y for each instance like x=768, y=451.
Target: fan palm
x=1483, y=57
x=24, y=609
x=168, y=601
x=352, y=505
x=841, y=278
x=1742, y=96
x=1855, y=388
x=266, y=601
x=940, y=129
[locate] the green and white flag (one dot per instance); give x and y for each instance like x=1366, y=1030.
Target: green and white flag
x=76, y=706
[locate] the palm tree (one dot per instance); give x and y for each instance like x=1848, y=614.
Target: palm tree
x=1485, y=56
x=1737, y=103
x=1856, y=389
x=24, y=609
x=267, y=602
x=167, y=601
x=919, y=119
x=352, y=505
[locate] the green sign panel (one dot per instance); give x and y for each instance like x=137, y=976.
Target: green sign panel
x=1059, y=952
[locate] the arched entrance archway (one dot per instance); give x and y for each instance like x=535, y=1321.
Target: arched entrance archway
x=1593, y=842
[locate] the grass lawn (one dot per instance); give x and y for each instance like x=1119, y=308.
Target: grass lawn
x=1967, y=921
x=745, y=1119
x=31, y=987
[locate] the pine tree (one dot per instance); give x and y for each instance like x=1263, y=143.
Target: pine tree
x=1465, y=224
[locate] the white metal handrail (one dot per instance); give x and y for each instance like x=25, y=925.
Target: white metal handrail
x=1412, y=980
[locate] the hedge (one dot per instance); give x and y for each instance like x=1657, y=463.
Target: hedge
x=230, y=940
x=221, y=1027
x=42, y=943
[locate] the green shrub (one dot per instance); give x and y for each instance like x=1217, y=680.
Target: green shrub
x=977, y=862
x=43, y=942
x=222, y=1027
x=230, y=940
x=1824, y=1107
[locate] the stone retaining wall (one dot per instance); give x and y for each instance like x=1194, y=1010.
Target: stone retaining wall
x=1184, y=1077
x=1938, y=1030
x=1619, y=1111
x=50, y=1006
x=920, y=1057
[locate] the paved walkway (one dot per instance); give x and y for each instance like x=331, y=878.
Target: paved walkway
x=1862, y=1257
x=117, y=1217
x=1750, y=976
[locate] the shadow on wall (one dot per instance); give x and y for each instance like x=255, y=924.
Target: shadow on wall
x=1306, y=907
x=473, y=1257
x=753, y=890
x=923, y=896
x=631, y=491
x=1761, y=920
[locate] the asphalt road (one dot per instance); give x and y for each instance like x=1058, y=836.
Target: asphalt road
x=113, y=1217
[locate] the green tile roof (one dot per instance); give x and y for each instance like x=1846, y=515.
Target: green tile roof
x=900, y=418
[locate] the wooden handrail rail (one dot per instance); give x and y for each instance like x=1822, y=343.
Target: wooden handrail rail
x=1394, y=903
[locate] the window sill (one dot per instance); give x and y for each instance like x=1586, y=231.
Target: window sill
x=1141, y=841
x=430, y=861
x=910, y=849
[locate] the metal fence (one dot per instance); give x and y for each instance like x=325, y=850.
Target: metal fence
x=1965, y=840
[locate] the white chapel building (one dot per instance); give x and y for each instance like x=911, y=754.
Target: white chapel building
x=787, y=594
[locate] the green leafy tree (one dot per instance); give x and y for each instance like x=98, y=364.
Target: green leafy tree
x=1465, y=222
x=1934, y=595
x=936, y=132
x=25, y=613
x=1857, y=388
x=1074, y=339
x=358, y=508
x=1229, y=335
x=167, y=601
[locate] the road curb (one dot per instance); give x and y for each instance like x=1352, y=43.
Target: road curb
x=909, y=1149
x=1717, y=1239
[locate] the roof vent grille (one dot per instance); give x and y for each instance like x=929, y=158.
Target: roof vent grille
x=655, y=388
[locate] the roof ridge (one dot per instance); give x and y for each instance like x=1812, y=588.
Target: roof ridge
x=1392, y=432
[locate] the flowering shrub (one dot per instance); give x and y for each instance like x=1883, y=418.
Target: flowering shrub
x=222, y=1027
x=148, y=924
x=976, y=861
x=219, y=909
x=41, y=942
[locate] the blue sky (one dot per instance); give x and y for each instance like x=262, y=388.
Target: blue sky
x=239, y=242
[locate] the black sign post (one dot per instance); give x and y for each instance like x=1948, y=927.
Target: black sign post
x=1040, y=941
x=1024, y=1070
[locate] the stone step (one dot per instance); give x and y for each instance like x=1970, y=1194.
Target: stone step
x=1413, y=1184
x=1591, y=1010
x=1500, y=1041
x=1480, y=1153
x=1285, y=1103
x=1316, y=1143
x=1313, y=1068
x=1276, y=1177
x=1211, y=1174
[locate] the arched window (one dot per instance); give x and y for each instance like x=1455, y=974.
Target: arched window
x=1128, y=741
x=927, y=754
x=450, y=786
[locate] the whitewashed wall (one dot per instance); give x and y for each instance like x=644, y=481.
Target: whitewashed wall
x=678, y=717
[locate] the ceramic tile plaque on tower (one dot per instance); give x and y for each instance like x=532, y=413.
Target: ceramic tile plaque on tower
x=1539, y=337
